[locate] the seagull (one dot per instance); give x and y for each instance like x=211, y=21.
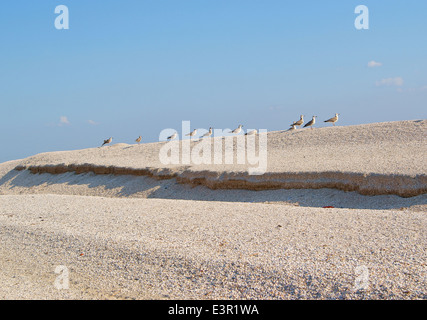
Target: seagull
x=172, y=136
x=237, y=130
x=139, y=139
x=208, y=134
x=253, y=132
x=292, y=128
x=299, y=122
x=334, y=119
x=192, y=134
x=107, y=141
x=311, y=122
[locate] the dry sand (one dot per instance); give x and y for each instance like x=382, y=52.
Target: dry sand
x=375, y=159
x=381, y=148
x=134, y=236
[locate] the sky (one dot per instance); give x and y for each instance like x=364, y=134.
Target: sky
x=129, y=68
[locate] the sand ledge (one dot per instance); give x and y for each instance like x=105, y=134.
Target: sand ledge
x=365, y=184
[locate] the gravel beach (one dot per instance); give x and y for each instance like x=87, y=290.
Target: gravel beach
x=178, y=249
x=141, y=236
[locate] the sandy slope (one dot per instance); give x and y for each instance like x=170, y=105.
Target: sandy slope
x=375, y=159
x=135, y=236
x=382, y=148
x=153, y=248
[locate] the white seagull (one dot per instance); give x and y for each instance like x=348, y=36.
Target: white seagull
x=172, y=136
x=208, y=134
x=299, y=122
x=107, y=141
x=251, y=133
x=334, y=119
x=311, y=122
x=192, y=134
x=292, y=128
x=237, y=130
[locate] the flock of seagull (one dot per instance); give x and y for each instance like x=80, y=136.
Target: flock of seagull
x=293, y=126
x=311, y=123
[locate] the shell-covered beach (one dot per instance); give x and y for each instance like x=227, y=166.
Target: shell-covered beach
x=338, y=213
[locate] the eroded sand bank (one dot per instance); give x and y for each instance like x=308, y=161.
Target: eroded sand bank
x=127, y=226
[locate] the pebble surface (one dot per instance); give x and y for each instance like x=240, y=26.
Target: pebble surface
x=134, y=237
x=180, y=249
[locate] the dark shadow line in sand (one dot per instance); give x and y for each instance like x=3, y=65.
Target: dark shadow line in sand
x=147, y=187
x=9, y=176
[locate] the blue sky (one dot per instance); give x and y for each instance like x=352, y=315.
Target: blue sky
x=129, y=68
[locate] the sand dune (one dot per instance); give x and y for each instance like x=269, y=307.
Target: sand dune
x=375, y=159
x=128, y=226
x=382, y=148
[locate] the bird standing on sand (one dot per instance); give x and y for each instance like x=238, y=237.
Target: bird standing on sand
x=299, y=122
x=139, y=139
x=192, y=134
x=311, y=122
x=334, y=119
x=107, y=141
x=251, y=133
x=209, y=133
x=292, y=128
x=237, y=130
x=172, y=136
